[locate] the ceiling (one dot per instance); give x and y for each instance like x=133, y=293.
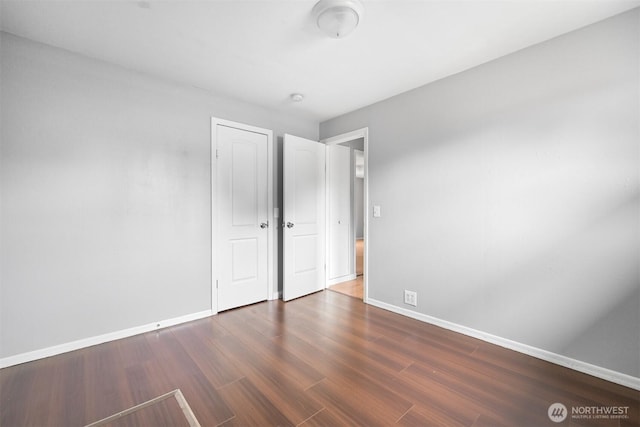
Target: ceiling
x=262, y=51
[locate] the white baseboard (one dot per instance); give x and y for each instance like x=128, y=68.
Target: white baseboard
x=558, y=359
x=88, y=342
x=341, y=279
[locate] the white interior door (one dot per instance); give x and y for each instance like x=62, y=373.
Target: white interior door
x=304, y=217
x=242, y=212
x=339, y=216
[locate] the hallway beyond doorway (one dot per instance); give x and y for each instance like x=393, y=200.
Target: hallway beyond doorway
x=354, y=288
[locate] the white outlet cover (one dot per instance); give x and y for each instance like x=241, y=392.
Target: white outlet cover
x=411, y=298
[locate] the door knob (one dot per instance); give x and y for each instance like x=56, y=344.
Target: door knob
x=289, y=225
x=264, y=224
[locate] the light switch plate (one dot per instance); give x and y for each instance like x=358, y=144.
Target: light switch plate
x=376, y=211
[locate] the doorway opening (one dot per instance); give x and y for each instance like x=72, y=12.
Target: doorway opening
x=347, y=191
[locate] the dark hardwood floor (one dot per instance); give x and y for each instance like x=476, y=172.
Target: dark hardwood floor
x=323, y=360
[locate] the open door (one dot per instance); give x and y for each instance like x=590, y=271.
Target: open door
x=304, y=217
x=340, y=239
x=356, y=169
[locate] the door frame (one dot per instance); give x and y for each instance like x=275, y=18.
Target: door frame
x=215, y=268
x=339, y=139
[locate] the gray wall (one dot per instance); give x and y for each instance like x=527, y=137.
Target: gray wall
x=105, y=186
x=510, y=195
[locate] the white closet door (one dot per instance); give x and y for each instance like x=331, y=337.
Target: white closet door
x=242, y=204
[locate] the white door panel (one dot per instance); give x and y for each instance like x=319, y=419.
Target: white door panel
x=306, y=253
x=242, y=196
x=244, y=183
x=245, y=259
x=304, y=217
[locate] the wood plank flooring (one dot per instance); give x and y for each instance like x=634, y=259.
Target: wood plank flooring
x=353, y=288
x=322, y=360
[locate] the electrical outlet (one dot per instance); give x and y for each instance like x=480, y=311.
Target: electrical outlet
x=411, y=298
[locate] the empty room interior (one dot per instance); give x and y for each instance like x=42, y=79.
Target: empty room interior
x=320, y=213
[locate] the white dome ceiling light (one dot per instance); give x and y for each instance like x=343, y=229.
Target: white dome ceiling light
x=338, y=18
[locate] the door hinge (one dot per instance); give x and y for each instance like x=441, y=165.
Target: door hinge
x=217, y=154
x=216, y=283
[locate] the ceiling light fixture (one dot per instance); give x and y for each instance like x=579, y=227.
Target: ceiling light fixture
x=297, y=97
x=338, y=18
